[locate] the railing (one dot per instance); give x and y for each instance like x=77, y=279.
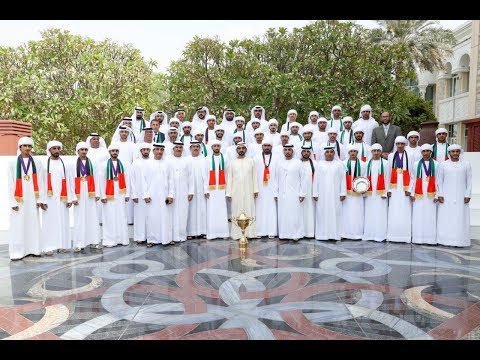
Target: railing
x=454, y=108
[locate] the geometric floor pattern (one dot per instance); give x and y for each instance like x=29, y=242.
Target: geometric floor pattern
x=203, y=289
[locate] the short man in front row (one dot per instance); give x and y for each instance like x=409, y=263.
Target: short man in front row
x=114, y=182
x=378, y=173
x=265, y=204
x=55, y=234
x=399, y=205
x=25, y=184
x=290, y=192
x=86, y=193
x=423, y=189
x=242, y=189
x=454, y=194
x=215, y=166
x=329, y=190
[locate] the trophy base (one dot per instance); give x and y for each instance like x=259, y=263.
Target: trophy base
x=243, y=243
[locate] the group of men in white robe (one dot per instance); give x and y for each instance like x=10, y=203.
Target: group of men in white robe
x=193, y=179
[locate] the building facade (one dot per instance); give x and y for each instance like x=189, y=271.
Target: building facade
x=455, y=91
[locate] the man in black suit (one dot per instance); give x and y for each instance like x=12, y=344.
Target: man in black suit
x=385, y=135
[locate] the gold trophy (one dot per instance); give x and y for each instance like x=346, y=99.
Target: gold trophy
x=243, y=221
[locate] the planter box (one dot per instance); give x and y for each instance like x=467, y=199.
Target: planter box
x=10, y=132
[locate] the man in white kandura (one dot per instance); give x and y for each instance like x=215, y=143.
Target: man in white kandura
x=367, y=122
x=197, y=208
x=440, y=147
x=183, y=185
x=346, y=135
x=376, y=203
x=139, y=122
x=329, y=190
x=55, y=234
x=336, y=119
x=454, y=193
x=242, y=189
x=83, y=174
x=399, y=205
x=114, y=182
x=413, y=149
x=309, y=168
x=290, y=193
x=25, y=190
x=353, y=206
x=159, y=194
x=215, y=166
x=137, y=182
x=423, y=195
x=265, y=204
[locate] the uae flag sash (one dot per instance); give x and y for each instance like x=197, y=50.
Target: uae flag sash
x=63, y=191
x=18, y=194
x=266, y=169
x=85, y=173
x=363, y=157
x=350, y=178
x=430, y=178
x=380, y=179
x=212, y=181
x=397, y=168
x=350, y=139
x=434, y=155
x=115, y=174
x=341, y=124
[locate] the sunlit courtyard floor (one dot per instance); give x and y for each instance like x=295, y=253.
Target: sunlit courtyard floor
x=203, y=289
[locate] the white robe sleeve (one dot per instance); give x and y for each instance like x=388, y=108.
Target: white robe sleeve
x=206, y=169
x=468, y=174
x=439, y=179
x=302, y=191
x=12, y=170
x=41, y=178
x=343, y=180
x=413, y=177
x=102, y=180
x=70, y=172
x=96, y=177
x=133, y=178
x=127, y=170
x=229, y=180
x=254, y=176
x=387, y=171
x=275, y=181
x=145, y=172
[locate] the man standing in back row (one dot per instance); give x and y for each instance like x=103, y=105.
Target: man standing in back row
x=385, y=135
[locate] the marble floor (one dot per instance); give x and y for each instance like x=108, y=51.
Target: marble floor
x=203, y=289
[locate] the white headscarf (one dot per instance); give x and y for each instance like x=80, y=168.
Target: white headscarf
x=441, y=130
x=165, y=117
x=81, y=145
x=291, y=111
x=116, y=134
x=365, y=107
x=376, y=146
x=134, y=115
x=252, y=116
x=413, y=133
x=114, y=146
x=347, y=118
x=24, y=140
x=426, y=147
x=225, y=121
x=52, y=144
x=196, y=121
x=336, y=107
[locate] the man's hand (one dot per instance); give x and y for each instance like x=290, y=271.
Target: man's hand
x=190, y=197
x=466, y=200
x=276, y=198
x=301, y=198
x=39, y=205
x=441, y=199
x=104, y=201
x=75, y=202
x=127, y=199
x=315, y=198
x=97, y=198
x=148, y=200
x=407, y=193
x=255, y=195
x=229, y=198
x=69, y=205
x=207, y=195
x=389, y=194
x=342, y=197
x=412, y=198
x=169, y=200
x=385, y=155
x=135, y=200
x=15, y=208
x=44, y=206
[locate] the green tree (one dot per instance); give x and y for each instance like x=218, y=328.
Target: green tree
x=68, y=86
x=427, y=43
x=310, y=68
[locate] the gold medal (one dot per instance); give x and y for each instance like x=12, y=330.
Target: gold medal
x=115, y=178
x=399, y=171
x=83, y=178
x=427, y=179
x=26, y=177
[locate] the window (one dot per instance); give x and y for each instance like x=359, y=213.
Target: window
x=465, y=137
x=455, y=89
x=452, y=131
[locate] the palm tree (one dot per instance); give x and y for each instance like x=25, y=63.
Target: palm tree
x=427, y=43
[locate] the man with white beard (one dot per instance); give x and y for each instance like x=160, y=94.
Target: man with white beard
x=353, y=207
x=309, y=167
x=197, y=208
x=215, y=166
x=242, y=189
x=55, y=234
x=228, y=122
x=413, y=149
x=423, y=194
x=399, y=205
x=329, y=190
x=272, y=132
x=83, y=175
x=97, y=153
x=137, y=177
x=376, y=202
x=265, y=204
x=290, y=192
x=183, y=188
x=25, y=184
x=159, y=194
x=454, y=193
x=114, y=183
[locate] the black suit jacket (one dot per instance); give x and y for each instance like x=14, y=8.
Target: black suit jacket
x=387, y=142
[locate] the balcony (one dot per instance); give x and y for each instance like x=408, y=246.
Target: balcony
x=453, y=109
